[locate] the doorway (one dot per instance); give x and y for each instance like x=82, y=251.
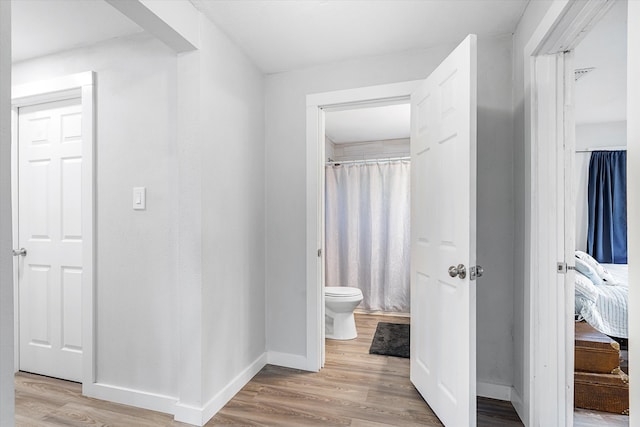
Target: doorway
x=317, y=106
x=443, y=126
x=601, y=301
x=53, y=204
x=550, y=109
x=367, y=205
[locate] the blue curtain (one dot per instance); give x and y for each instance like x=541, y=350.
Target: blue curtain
x=607, y=235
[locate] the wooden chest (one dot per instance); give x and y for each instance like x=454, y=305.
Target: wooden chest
x=599, y=384
x=594, y=351
x=602, y=392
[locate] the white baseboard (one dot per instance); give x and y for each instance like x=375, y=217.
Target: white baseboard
x=288, y=360
x=200, y=416
x=494, y=391
x=131, y=397
x=518, y=405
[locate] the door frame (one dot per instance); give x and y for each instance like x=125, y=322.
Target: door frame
x=550, y=137
x=82, y=86
x=317, y=104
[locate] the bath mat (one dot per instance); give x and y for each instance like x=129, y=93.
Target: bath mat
x=391, y=339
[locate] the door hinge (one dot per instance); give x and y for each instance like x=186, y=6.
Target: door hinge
x=319, y=253
x=562, y=267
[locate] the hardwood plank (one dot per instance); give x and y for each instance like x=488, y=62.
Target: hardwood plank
x=497, y=413
x=354, y=389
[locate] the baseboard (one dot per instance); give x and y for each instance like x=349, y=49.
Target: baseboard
x=518, y=405
x=381, y=313
x=494, y=391
x=131, y=397
x=200, y=416
x=288, y=360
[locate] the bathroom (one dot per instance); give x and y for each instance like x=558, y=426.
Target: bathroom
x=367, y=214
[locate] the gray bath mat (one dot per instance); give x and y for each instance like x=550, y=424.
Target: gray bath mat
x=391, y=339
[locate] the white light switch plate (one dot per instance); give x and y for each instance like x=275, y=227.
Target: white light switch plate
x=139, y=198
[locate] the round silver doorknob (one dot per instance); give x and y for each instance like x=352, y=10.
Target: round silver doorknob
x=19, y=252
x=459, y=271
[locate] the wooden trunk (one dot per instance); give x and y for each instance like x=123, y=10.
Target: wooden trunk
x=594, y=351
x=602, y=392
x=599, y=383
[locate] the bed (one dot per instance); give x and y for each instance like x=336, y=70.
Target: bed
x=603, y=304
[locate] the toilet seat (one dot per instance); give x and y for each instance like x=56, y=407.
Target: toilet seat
x=342, y=291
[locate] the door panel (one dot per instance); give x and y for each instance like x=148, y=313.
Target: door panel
x=443, y=195
x=50, y=229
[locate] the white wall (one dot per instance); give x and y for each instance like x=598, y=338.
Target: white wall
x=286, y=176
x=233, y=206
x=600, y=96
x=180, y=288
x=522, y=189
x=591, y=135
x=600, y=101
x=389, y=148
x=136, y=289
x=6, y=271
x=329, y=149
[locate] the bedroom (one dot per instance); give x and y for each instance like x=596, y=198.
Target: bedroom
x=601, y=223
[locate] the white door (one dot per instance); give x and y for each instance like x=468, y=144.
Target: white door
x=50, y=273
x=443, y=227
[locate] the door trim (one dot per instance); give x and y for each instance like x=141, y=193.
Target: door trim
x=549, y=332
x=316, y=105
x=81, y=85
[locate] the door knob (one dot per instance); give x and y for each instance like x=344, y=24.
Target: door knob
x=459, y=271
x=20, y=252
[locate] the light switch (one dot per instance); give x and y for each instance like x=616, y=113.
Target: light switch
x=139, y=198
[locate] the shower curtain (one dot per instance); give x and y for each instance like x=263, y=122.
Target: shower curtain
x=367, y=236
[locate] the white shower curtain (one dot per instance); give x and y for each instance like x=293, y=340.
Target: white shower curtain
x=367, y=232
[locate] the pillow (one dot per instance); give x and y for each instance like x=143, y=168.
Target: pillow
x=586, y=288
x=587, y=258
x=589, y=272
x=606, y=276
x=600, y=270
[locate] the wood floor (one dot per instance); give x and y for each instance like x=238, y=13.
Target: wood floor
x=354, y=389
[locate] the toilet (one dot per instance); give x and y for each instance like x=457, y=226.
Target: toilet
x=339, y=303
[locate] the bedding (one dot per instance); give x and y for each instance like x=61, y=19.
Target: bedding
x=604, y=306
x=602, y=272
x=589, y=272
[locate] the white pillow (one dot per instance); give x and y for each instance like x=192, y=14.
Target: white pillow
x=587, y=258
x=589, y=272
x=586, y=288
x=600, y=270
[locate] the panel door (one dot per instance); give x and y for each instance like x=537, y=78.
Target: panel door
x=443, y=227
x=50, y=229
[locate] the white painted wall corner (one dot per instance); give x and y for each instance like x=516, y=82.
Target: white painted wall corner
x=518, y=405
x=494, y=391
x=200, y=416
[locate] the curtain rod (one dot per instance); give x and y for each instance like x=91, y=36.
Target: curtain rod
x=350, y=162
x=614, y=148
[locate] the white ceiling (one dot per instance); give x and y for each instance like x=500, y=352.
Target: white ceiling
x=278, y=35
x=283, y=35
x=601, y=95
x=368, y=124
x=42, y=27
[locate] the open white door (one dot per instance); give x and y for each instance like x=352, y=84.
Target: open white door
x=443, y=237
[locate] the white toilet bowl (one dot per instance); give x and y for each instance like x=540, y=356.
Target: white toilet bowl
x=339, y=303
